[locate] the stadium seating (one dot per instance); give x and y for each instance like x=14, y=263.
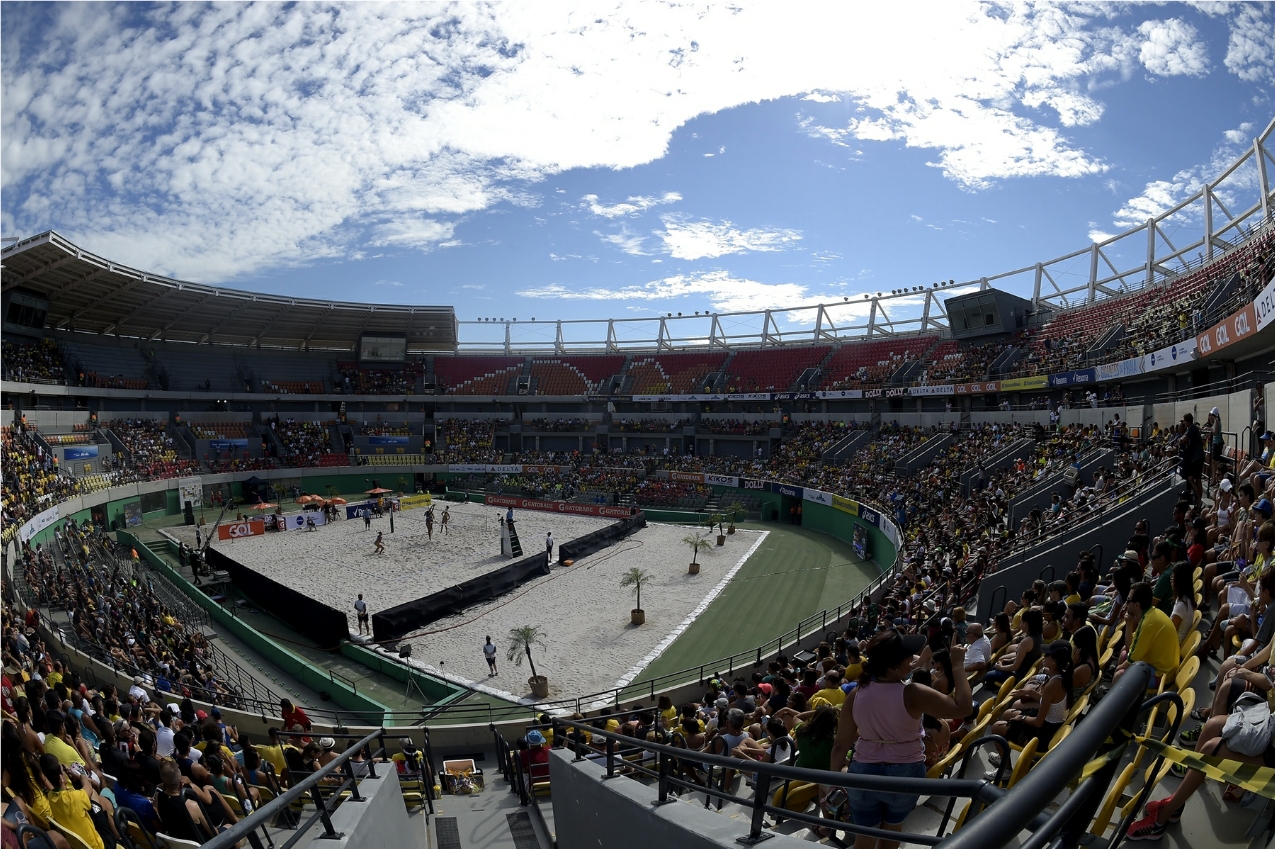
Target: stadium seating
x=572, y=375
x=459, y=375
x=857, y=364
x=772, y=369
x=676, y=374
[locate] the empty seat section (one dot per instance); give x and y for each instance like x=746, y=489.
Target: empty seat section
x=473, y=375
x=772, y=369
x=222, y=430
x=107, y=366
x=551, y=377
x=857, y=364
x=674, y=374
x=595, y=369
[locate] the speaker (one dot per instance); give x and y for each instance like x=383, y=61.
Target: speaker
x=190, y=513
x=405, y=650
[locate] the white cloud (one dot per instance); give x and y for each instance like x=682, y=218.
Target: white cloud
x=212, y=141
x=686, y=239
x=1159, y=196
x=822, y=97
x=1172, y=48
x=1250, y=51
x=626, y=240
x=722, y=291
x=633, y=206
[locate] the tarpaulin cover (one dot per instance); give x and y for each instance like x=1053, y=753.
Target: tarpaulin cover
x=600, y=539
x=308, y=617
x=397, y=621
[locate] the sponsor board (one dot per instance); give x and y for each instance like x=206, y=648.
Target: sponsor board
x=297, y=521
x=239, y=530
x=833, y=394
x=1264, y=306
x=1123, y=368
x=845, y=505
x=721, y=480
x=407, y=502
x=754, y=484
x=387, y=440
x=79, y=452
x=192, y=490
x=817, y=496
x=945, y=389
x=557, y=507
x=1016, y=384
x=977, y=388
x=1238, y=326
x=485, y=468
x=352, y=510
x=532, y=470
x=786, y=490
x=228, y=445
x=686, y=477
x=41, y=521
x=1174, y=355
x=869, y=515
x=1073, y=378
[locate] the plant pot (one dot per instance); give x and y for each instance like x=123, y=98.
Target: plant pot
x=694, y=570
x=637, y=616
x=539, y=685
x=731, y=529
x=721, y=539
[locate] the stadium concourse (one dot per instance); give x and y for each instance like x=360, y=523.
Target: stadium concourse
x=1059, y=516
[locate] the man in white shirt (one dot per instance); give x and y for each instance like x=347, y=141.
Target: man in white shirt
x=136, y=690
x=978, y=652
x=164, y=733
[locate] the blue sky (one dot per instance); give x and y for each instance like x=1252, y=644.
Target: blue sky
x=614, y=160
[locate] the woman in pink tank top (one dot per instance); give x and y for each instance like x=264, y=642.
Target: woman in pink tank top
x=881, y=720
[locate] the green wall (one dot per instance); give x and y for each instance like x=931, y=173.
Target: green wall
x=829, y=520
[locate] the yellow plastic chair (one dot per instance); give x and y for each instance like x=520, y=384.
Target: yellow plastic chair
x=1026, y=755
x=73, y=840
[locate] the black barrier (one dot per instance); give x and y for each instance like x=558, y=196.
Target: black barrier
x=308, y=617
x=397, y=621
x=600, y=539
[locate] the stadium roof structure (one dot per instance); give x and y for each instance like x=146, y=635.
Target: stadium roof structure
x=90, y=294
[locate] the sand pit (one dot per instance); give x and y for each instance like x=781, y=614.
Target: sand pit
x=591, y=645
x=335, y=563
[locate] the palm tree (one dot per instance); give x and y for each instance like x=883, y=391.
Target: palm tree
x=734, y=511
x=636, y=578
x=520, y=642
x=697, y=544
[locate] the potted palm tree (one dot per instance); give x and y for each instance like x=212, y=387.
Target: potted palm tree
x=735, y=511
x=520, y=642
x=717, y=520
x=698, y=543
x=636, y=579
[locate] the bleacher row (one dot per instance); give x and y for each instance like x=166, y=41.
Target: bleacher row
x=1151, y=319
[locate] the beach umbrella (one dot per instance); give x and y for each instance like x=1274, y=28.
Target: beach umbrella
x=264, y=505
x=337, y=500
x=380, y=490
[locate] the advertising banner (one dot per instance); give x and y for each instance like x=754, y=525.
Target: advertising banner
x=132, y=514
x=751, y=483
x=557, y=507
x=485, y=468
x=721, y=480
x=785, y=489
x=1015, y=384
x=869, y=515
x=297, y=521
x=1073, y=378
x=192, y=490
x=891, y=532
x=845, y=505
x=686, y=477
x=1123, y=368
x=353, y=511
x=79, y=452
x=239, y=530
x=407, y=502
x=387, y=440
x=1264, y=306
x=41, y=521
x=919, y=391
x=1238, y=326
x=833, y=394
x=977, y=388
x=817, y=496
x=228, y=444
x=540, y=470
x=1174, y=355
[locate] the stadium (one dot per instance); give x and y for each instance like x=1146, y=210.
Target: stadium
x=279, y=570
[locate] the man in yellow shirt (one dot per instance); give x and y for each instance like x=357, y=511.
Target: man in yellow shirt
x=831, y=692
x=273, y=753
x=72, y=808
x=1155, y=639
x=56, y=742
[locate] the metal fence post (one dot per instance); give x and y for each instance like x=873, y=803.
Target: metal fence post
x=755, y=833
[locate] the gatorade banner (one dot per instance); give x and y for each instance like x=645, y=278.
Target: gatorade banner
x=239, y=530
x=686, y=477
x=407, y=502
x=557, y=507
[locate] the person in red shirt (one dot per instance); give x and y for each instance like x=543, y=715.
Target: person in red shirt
x=535, y=758
x=293, y=717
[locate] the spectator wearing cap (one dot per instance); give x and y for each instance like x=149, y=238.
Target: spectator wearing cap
x=136, y=691
x=535, y=758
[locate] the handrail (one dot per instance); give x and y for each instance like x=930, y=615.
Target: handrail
x=999, y=824
x=264, y=814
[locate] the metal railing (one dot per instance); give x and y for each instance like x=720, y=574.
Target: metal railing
x=995, y=818
x=312, y=788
